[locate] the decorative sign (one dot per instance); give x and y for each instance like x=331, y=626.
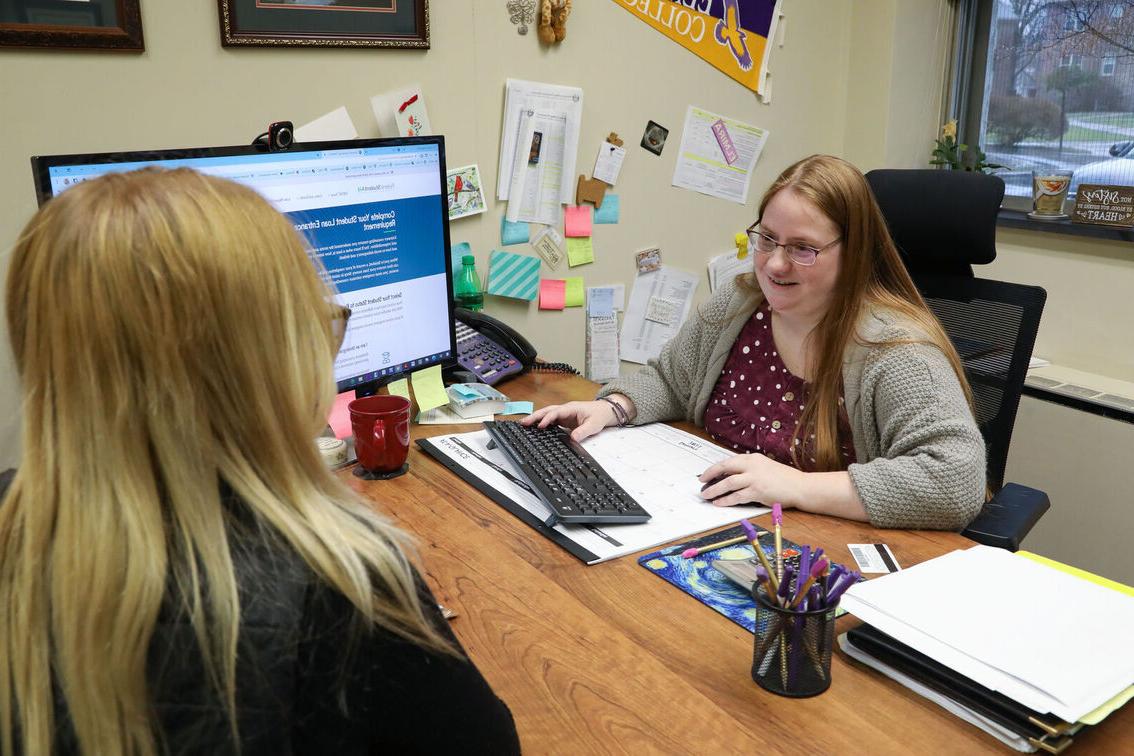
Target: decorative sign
x=732, y=35
x=1104, y=205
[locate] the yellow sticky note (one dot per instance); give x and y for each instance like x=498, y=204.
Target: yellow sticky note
x=428, y=388
x=574, y=295
x=580, y=251
x=399, y=387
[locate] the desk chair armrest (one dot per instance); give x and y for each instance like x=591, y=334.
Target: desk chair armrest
x=1008, y=517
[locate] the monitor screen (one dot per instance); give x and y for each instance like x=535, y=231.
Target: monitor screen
x=374, y=212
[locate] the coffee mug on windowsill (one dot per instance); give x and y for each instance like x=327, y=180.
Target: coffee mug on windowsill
x=381, y=435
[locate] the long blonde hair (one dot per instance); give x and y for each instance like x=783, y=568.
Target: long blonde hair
x=171, y=335
x=871, y=276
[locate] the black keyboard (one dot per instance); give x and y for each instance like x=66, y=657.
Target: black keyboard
x=564, y=475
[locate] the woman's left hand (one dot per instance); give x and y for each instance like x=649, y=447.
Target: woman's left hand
x=751, y=478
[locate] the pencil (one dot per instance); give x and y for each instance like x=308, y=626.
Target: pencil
x=690, y=553
x=777, y=521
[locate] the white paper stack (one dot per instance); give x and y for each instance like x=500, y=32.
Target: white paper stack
x=1049, y=640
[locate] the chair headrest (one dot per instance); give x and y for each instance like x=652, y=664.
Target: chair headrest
x=942, y=221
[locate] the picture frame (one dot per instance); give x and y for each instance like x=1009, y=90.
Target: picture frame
x=64, y=24
x=324, y=23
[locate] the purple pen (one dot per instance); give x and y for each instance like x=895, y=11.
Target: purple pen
x=845, y=582
x=785, y=583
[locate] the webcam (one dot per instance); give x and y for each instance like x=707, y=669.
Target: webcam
x=280, y=136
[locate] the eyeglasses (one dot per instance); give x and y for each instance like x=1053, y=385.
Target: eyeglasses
x=340, y=316
x=800, y=254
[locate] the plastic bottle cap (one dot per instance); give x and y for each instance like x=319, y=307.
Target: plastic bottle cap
x=468, y=260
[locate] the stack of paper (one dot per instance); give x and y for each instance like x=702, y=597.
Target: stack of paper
x=1046, y=639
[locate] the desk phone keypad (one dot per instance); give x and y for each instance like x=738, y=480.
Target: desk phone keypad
x=483, y=356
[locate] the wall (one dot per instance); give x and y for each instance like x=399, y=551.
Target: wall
x=861, y=79
x=187, y=90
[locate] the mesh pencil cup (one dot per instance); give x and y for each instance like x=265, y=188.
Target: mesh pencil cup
x=792, y=653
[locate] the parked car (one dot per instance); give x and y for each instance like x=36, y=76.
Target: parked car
x=1118, y=171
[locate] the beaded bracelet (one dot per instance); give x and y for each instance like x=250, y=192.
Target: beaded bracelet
x=620, y=415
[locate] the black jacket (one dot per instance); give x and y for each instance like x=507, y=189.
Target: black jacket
x=310, y=678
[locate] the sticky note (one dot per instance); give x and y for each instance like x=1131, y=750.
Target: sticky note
x=513, y=275
x=428, y=388
x=610, y=210
x=518, y=408
x=467, y=392
x=513, y=233
x=340, y=415
x=580, y=251
x=399, y=387
x=577, y=220
x=574, y=293
x=600, y=301
x=456, y=252
x=551, y=293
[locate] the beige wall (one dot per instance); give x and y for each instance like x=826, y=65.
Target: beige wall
x=185, y=90
x=862, y=79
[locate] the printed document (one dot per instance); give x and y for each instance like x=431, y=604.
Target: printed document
x=602, y=347
x=531, y=96
x=656, y=464
x=727, y=266
x=702, y=164
x=537, y=174
x=642, y=338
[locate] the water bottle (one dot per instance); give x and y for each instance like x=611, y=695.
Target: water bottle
x=467, y=290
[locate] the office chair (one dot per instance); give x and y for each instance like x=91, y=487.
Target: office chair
x=943, y=223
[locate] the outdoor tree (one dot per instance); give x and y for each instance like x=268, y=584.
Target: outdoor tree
x=1063, y=80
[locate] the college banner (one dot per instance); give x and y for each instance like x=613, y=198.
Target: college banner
x=732, y=35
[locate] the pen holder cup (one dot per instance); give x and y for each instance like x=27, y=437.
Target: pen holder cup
x=792, y=654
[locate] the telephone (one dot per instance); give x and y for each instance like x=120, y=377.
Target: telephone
x=493, y=351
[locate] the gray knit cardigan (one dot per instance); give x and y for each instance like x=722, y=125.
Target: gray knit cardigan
x=921, y=457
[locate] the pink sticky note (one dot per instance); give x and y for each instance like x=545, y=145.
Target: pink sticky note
x=552, y=292
x=340, y=415
x=577, y=220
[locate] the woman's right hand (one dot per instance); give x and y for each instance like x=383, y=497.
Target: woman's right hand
x=584, y=418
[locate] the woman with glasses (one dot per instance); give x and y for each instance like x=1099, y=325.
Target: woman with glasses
x=179, y=571
x=823, y=368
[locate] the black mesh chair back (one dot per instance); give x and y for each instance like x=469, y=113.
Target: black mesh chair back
x=943, y=222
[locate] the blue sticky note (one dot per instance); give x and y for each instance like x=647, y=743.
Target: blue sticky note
x=600, y=301
x=456, y=252
x=518, y=408
x=513, y=233
x=609, y=211
x=466, y=391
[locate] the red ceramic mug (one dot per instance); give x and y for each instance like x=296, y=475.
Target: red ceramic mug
x=381, y=433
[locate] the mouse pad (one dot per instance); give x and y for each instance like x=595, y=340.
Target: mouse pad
x=703, y=581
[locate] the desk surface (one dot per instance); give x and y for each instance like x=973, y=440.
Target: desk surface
x=610, y=658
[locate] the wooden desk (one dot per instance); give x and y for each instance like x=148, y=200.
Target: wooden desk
x=610, y=658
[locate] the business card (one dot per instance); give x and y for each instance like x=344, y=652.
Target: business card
x=873, y=558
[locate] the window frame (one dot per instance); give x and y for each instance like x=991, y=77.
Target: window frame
x=972, y=34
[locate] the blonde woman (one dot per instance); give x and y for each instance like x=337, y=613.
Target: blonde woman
x=823, y=368
x=178, y=570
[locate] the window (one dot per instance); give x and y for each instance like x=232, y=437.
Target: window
x=1038, y=86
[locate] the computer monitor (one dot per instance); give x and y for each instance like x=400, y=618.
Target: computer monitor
x=374, y=212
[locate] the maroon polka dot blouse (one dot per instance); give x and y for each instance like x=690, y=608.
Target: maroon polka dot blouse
x=757, y=403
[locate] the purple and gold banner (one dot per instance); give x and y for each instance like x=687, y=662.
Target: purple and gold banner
x=732, y=35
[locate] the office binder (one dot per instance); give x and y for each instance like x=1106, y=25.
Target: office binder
x=1014, y=724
